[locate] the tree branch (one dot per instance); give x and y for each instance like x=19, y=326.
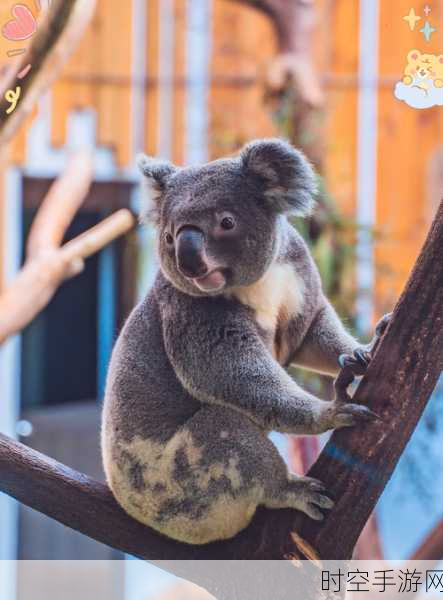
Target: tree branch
x=286, y=16
x=47, y=264
x=292, y=87
x=397, y=385
x=52, y=45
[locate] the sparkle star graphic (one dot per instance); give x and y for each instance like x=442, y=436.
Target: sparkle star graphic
x=427, y=31
x=412, y=19
x=427, y=10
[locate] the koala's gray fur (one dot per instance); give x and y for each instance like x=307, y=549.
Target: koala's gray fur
x=197, y=376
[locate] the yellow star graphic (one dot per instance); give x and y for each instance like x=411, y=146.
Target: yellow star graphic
x=412, y=19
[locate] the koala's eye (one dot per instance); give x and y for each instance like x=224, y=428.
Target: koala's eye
x=227, y=223
x=168, y=238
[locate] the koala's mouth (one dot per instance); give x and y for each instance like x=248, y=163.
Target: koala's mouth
x=211, y=282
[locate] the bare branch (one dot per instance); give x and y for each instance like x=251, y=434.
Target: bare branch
x=99, y=236
x=285, y=15
x=60, y=204
x=47, y=265
x=39, y=279
x=52, y=45
x=294, y=22
x=89, y=507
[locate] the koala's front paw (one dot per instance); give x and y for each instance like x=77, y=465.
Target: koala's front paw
x=355, y=364
x=306, y=495
x=348, y=415
x=352, y=366
x=381, y=327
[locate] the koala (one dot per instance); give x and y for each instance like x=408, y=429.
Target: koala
x=197, y=378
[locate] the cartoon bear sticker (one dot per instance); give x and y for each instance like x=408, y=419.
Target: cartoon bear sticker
x=422, y=82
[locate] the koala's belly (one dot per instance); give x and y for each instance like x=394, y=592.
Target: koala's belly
x=168, y=487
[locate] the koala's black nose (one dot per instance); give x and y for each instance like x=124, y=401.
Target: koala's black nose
x=189, y=251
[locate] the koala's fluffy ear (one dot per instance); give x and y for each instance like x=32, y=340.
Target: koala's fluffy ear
x=156, y=173
x=287, y=177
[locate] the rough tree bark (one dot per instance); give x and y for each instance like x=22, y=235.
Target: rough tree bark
x=355, y=464
x=397, y=385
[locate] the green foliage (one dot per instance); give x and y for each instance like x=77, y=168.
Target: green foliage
x=330, y=235
x=331, y=238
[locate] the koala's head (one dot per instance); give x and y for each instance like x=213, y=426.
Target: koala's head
x=219, y=224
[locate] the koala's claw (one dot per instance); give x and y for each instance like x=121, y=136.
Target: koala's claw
x=382, y=325
x=312, y=511
x=309, y=482
x=305, y=495
x=355, y=364
x=352, y=365
x=380, y=329
x=348, y=415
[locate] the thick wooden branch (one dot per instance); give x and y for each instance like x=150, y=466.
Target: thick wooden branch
x=51, y=46
x=355, y=464
x=87, y=506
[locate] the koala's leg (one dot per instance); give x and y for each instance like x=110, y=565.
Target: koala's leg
x=328, y=347
x=305, y=494
x=325, y=341
x=224, y=466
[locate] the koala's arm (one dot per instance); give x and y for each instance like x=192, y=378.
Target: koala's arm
x=219, y=358
x=324, y=342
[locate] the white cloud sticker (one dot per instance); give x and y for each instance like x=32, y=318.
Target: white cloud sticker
x=419, y=95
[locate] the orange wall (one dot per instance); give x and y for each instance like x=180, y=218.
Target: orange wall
x=99, y=77
x=408, y=139
x=243, y=46
x=339, y=42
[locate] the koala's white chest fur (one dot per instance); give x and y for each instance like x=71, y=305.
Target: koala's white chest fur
x=275, y=299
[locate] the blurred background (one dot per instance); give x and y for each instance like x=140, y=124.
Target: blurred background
x=193, y=80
